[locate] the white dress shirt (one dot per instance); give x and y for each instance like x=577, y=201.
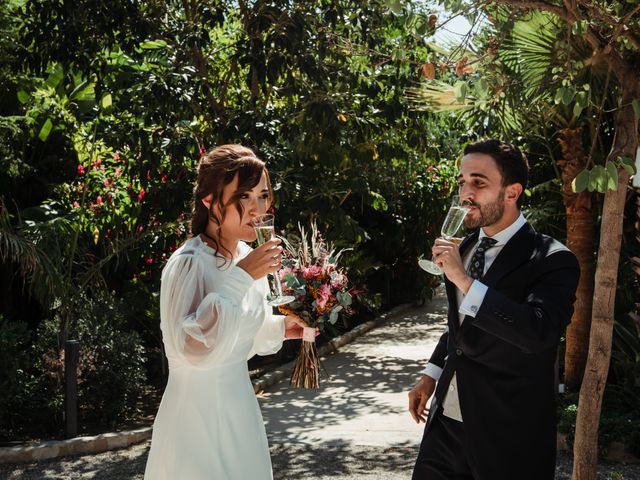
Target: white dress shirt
x=469, y=304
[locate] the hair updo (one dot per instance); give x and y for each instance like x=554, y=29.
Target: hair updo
x=216, y=170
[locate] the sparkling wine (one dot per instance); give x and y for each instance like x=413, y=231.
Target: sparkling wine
x=453, y=222
x=264, y=234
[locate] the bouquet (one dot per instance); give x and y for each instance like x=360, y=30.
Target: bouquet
x=321, y=289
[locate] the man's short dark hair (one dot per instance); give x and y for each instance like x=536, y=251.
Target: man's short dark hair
x=511, y=162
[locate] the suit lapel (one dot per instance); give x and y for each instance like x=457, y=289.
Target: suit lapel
x=517, y=251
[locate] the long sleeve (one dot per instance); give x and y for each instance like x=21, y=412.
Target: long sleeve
x=199, y=325
x=269, y=338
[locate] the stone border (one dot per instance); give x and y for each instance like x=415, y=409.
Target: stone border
x=73, y=446
x=110, y=441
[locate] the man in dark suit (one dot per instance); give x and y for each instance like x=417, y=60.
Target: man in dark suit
x=510, y=292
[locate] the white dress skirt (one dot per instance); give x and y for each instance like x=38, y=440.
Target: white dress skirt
x=209, y=424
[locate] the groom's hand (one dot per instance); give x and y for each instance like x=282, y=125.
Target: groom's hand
x=418, y=397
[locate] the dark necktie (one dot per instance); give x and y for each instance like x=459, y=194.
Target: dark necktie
x=476, y=266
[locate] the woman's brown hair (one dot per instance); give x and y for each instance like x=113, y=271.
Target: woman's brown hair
x=216, y=170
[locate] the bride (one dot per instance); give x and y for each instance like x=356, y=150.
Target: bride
x=214, y=317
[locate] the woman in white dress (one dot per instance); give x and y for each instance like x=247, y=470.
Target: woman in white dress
x=214, y=317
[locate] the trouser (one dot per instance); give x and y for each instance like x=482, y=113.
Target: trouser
x=442, y=453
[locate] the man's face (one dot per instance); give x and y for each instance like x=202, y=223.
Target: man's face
x=481, y=189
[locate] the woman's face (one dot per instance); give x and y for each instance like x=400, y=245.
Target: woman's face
x=236, y=226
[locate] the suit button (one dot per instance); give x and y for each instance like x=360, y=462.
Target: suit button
x=458, y=351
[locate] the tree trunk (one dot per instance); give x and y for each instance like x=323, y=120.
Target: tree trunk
x=625, y=142
x=581, y=235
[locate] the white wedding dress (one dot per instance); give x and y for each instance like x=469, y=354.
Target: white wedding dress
x=209, y=424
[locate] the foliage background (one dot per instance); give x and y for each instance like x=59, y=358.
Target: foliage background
x=107, y=107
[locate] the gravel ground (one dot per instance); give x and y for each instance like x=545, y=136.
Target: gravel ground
x=289, y=462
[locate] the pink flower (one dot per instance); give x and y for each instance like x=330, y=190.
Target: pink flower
x=118, y=172
x=141, y=194
x=108, y=183
x=324, y=292
x=99, y=200
x=97, y=162
x=76, y=204
x=148, y=260
x=116, y=156
x=164, y=179
x=338, y=280
x=311, y=272
x=80, y=170
x=284, y=272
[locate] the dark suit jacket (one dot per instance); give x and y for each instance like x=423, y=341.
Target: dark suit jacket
x=504, y=358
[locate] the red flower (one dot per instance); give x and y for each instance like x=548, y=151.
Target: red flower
x=164, y=179
x=99, y=200
x=148, y=260
x=202, y=151
x=80, y=170
x=141, y=194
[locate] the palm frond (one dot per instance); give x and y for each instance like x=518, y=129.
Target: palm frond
x=436, y=96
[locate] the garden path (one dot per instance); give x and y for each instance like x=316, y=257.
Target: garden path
x=355, y=427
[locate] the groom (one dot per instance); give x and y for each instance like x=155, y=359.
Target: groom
x=510, y=292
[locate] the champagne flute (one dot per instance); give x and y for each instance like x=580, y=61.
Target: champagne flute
x=265, y=231
x=450, y=227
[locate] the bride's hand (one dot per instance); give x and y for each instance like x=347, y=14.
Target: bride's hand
x=264, y=259
x=293, y=327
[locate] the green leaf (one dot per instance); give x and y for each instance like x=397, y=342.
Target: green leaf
x=598, y=179
x=379, y=203
x=56, y=76
x=577, y=110
x=558, y=97
x=23, y=97
x=45, y=130
x=612, y=181
x=83, y=92
x=333, y=316
x=460, y=90
x=568, y=93
x=106, y=102
x=153, y=44
x=636, y=108
x=582, y=99
x=395, y=6
x=344, y=298
x=581, y=182
x=482, y=88
x=579, y=27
